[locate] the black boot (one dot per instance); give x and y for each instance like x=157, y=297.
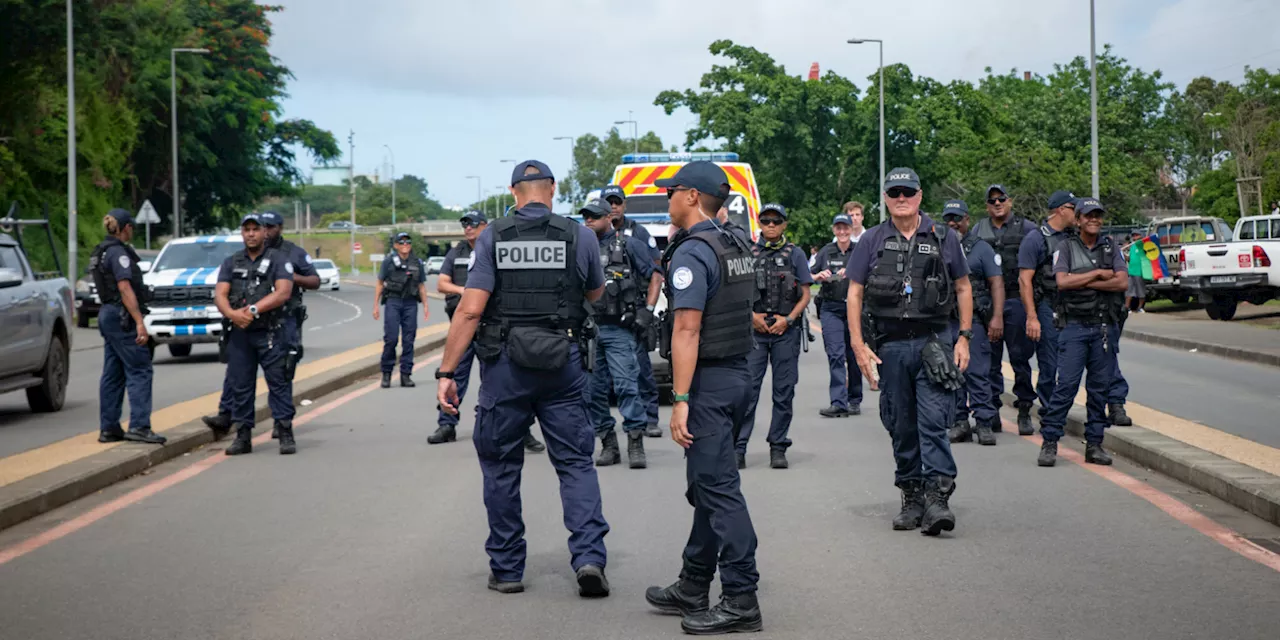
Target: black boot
x=1024, y=421
x=635, y=450
x=1048, y=453
x=406, y=380
x=609, y=453
x=111, y=435
x=386, y=380
x=960, y=432
x=937, y=512
x=287, y=444
x=219, y=424
x=682, y=598
x=653, y=430
x=243, y=442
x=778, y=459
x=531, y=444
x=1119, y=418
x=1095, y=454
x=144, y=435
x=505, y=587
x=734, y=614
x=985, y=437
x=912, y=506
x=443, y=434
x=275, y=431
x=855, y=410
x=833, y=412
x=591, y=580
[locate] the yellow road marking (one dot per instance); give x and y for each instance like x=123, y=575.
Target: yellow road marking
x=1233, y=447
x=29, y=463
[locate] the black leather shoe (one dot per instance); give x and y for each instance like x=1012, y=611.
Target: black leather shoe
x=1095, y=454
x=653, y=430
x=531, y=444
x=386, y=381
x=442, y=434
x=243, y=443
x=111, y=435
x=937, y=508
x=985, y=437
x=609, y=454
x=734, y=614
x=854, y=410
x=406, y=380
x=1048, y=454
x=505, y=587
x=592, y=583
x=144, y=435
x=778, y=459
x=912, y=506
x=1119, y=417
x=960, y=431
x=219, y=424
x=287, y=444
x=682, y=598
x=275, y=431
x=834, y=412
x=635, y=450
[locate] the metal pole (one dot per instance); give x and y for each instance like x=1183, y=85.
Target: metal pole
x=882, y=130
x=635, y=132
x=351, y=173
x=393, y=184
x=297, y=216
x=173, y=136
x=148, y=235
x=73, y=246
x=1093, y=97
x=308, y=216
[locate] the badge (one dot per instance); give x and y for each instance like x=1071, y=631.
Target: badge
x=653, y=244
x=288, y=266
x=124, y=262
x=998, y=260
x=308, y=258
x=682, y=278
x=396, y=260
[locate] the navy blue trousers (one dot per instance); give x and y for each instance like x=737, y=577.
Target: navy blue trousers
x=916, y=411
x=978, y=396
x=648, y=386
x=1082, y=348
x=784, y=352
x=846, y=379
x=292, y=336
x=399, y=322
x=247, y=351
x=125, y=365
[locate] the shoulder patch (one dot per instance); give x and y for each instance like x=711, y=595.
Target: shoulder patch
x=998, y=260
x=682, y=278
x=309, y=258
x=1055, y=255
x=124, y=262
x=653, y=244
x=288, y=266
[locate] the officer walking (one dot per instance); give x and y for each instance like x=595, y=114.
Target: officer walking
x=401, y=286
x=254, y=285
x=533, y=274
x=628, y=279
x=617, y=199
x=828, y=268
x=1005, y=232
x=711, y=288
x=912, y=273
x=1092, y=278
x=126, y=361
x=986, y=279
x=782, y=284
x=1038, y=290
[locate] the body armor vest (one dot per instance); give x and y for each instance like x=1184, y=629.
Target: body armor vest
x=1087, y=305
x=287, y=250
x=1006, y=246
x=910, y=280
x=617, y=305
x=250, y=283
x=1046, y=284
x=983, y=303
x=105, y=281
x=836, y=289
x=778, y=291
x=404, y=278
x=461, y=267
x=537, y=281
x=726, y=319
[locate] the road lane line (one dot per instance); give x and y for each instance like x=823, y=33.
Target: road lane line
x=24, y=465
x=149, y=489
x=1166, y=503
x=359, y=312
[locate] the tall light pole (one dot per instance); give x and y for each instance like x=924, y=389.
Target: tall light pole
x=393, y=183
x=881, y=83
x=479, y=198
x=73, y=247
x=635, y=131
x=351, y=181
x=1093, y=99
x=173, y=131
x=571, y=143
x=502, y=191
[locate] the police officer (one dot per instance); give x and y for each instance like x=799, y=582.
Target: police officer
x=912, y=273
x=126, y=361
x=987, y=282
x=1092, y=278
x=828, y=268
x=1005, y=232
x=295, y=312
x=401, y=286
x=254, y=285
x=1038, y=290
x=711, y=289
x=782, y=284
x=617, y=200
x=533, y=274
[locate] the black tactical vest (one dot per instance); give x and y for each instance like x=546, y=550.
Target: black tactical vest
x=617, y=305
x=250, y=283
x=829, y=258
x=288, y=250
x=910, y=280
x=537, y=281
x=1087, y=305
x=1046, y=284
x=1006, y=246
x=983, y=303
x=105, y=281
x=776, y=286
x=461, y=267
x=404, y=278
x=726, y=319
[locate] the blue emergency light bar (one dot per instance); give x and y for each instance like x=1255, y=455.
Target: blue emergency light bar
x=717, y=156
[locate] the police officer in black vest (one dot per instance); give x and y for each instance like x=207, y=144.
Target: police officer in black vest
x=533, y=275
x=126, y=361
x=912, y=274
x=1092, y=278
x=782, y=284
x=829, y=268
x=707, y=335
x=401, y=286
x=253, y=288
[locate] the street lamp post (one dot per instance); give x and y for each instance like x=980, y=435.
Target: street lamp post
x=1093, y=100
x=502, y=191
x=173, y=129
x=479, y=198
x=635, y=131
x=393, y=184
x=72, y=243
x=351, y=182
x=881, y=83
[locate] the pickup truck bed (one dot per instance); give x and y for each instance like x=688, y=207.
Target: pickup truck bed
x=1223, y=274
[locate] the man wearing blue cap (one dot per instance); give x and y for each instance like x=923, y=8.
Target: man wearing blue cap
x=533, y=274
x=253, y=288
x=829, y=268
x=710, y=289
x=782, y=283
x=400, y=288
x=1092, y=277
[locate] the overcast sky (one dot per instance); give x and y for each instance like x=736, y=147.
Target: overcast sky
x=454, y=88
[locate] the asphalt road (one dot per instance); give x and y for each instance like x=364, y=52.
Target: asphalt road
x=370, y=533
x=339, y=320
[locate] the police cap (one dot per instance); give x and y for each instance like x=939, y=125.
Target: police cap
x=902, y=177
x=955, y=209
x=774, y=207
x=473, y=216
x=594, y=209
x=1060, y=199
x=1088, y=205
x=271, y=219
x=122, y=217
x=705, y=176
x=252, y=217
x=542, y=172
x=613, y=191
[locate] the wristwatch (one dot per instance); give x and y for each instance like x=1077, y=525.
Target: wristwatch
x=966, y=334
x=444, y=374
x=253, y=308
x=649, y=307
x=790, y=322
x=679, y=397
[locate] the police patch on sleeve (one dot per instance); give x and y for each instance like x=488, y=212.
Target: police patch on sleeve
x=998, y=260
x=308, y=258
x=682, y=278
x=288, y=266
x=653, y=244
x=124, y=262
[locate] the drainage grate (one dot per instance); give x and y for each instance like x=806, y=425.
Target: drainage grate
x=1270, y=544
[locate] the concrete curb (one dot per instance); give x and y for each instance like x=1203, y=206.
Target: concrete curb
x=1240, y=485
x=1223, y=351
x=44, y=492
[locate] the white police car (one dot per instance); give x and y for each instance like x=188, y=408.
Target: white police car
x=182, y=281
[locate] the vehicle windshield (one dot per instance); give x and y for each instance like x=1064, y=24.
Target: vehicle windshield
x=324, y=264
x=195, y=255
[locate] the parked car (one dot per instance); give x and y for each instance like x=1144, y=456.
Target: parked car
x=329, y=274
x=343, y=225
x=433, y=264
x=1224, y=273
x=181, y=281
x=35, y=326
x=1173, y=233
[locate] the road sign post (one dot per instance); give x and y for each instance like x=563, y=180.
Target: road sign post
x=356, y=248
x=147, y=215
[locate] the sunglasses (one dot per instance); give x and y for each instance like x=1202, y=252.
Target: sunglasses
x=901, y=192
x=404, y=242
x=614, y=200
x=469, y=224
x=771, y=222
x=586, y=215
x=1092, y=215
x=671, y=191
x=999, y=200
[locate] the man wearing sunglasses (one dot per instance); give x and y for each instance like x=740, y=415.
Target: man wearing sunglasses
x=400, y=287
x=1092, y=278
x=913, y=275
x=1005, y=233
x=782, y=283
x=828, y=268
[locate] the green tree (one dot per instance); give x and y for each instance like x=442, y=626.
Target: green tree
x=595, y=158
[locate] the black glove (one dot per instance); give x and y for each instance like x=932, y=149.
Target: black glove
x=941, y=367
x=644, y=319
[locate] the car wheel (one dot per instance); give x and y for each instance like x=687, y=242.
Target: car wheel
x=49, y=395
x=1222, y=308
x=179, y=350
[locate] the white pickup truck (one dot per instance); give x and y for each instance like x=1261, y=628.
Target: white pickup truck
x=1222, y=274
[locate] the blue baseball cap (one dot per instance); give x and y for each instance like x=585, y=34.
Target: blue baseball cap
x=271, y=219
x=613, y=191
x=997, y=187
x=542, y=172
x=774, y=207
x=403, y=236
x=252, y=217
x=955, y=209
x=902, y=177
x=122, y=216
x=1060, y=199
x=473, y=216
x=1088, y=205
x=842, y=218
x=703, y=175
x=595, y=209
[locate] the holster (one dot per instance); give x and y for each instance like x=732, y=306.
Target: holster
x=666, y=326
x=223, y=339
x=488, y=342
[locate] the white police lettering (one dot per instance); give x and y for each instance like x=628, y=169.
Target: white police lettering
x=926, y=248
x=463, y=261
x=531, y=254
x=741, y=266
x=124, y=262
x=682, y=278
x=899, y=176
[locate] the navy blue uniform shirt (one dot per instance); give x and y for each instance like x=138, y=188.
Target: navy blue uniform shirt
x=1062, y=260
x=695, y=272
x=983, y=261
x=117, y=259
x=798, y=264
x=484, y=267
x=1031, y=251
x=451, y=259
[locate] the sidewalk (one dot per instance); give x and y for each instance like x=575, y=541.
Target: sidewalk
x=1233, y=340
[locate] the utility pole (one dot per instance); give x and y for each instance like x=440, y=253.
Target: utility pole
x=308, y=216
x=1093, y=98
x=635, y=131
x=73, y=247
x=297, y=216
x=882, y=169
x=351, y=180
x=173, y=134
x=393, y=184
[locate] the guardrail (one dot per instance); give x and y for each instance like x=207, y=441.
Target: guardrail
x=430, y=228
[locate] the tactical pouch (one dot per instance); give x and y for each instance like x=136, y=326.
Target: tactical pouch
x=538, y=348
x=885, y=289
x=451, y=304
x=488, y=342
x=936, y=294
x=666, y=325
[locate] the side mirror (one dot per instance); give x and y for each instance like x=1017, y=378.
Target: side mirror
x=10, y=278
x=145, y=265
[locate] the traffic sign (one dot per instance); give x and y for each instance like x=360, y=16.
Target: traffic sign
x=376, y=257
x=356, y=247
x=147, y=214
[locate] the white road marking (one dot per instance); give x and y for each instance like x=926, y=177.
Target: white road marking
x=359, y=312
